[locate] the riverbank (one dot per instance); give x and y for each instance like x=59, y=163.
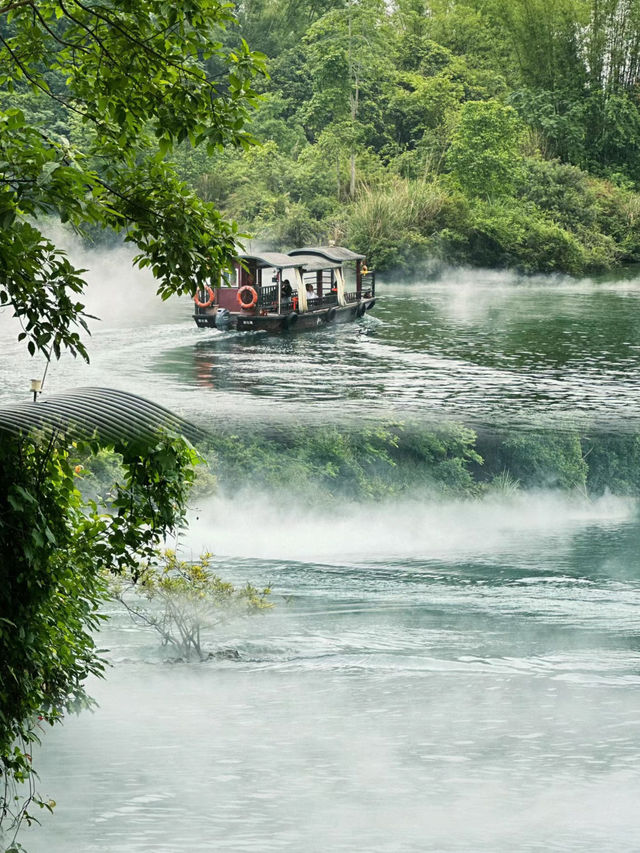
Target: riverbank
x=547, y=217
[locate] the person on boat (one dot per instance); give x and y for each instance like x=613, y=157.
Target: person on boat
x=286, y=292
x=310, y=291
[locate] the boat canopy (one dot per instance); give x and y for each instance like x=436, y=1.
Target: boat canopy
x=277, y=260
x=337, y=254
x=314, y=263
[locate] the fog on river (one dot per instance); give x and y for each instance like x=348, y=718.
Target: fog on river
x=436, y=674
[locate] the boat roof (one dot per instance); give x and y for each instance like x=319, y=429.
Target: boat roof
x=272, y=259
x=312, y=262
x=337, y=254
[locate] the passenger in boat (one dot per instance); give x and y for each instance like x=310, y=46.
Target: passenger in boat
x=310, y=291
x=286, y=291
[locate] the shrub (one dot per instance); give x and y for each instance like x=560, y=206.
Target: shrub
x=505, y=233
x=185, y=600
x=541, y=459
x=391, y=226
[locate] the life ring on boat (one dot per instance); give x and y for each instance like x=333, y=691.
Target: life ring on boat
x=249, y=291
x=202, y=303
x=290, y=320
x=331, y=314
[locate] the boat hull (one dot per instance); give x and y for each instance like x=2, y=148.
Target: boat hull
x=254, y=321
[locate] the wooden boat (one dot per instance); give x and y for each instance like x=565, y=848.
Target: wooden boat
x=277, y=292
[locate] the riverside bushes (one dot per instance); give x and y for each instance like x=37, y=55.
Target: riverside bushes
x=310, y=464
x=558, y=220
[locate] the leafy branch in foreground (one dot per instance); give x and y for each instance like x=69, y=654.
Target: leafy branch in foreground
x=54, y=551
x=184, y=600
x=135, y=80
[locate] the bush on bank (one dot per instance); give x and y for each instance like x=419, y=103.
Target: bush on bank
x=307, y=464
x=559, y=219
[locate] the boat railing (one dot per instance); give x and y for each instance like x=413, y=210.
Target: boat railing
x=369, y=285
x=268, y=296
x=268, y=300
x=316, y=302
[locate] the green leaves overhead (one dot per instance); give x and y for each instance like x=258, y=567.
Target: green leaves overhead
x=139, y=78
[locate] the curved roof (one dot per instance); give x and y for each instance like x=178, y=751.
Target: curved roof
x=113, y=417
x=312, y=262
x=338, y=254
x=271, y=259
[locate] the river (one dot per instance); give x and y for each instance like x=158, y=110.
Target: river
x=437, y=674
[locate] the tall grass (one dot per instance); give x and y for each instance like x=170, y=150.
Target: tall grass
x=393, y=224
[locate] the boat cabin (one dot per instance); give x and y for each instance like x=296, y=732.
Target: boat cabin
x=276, y=292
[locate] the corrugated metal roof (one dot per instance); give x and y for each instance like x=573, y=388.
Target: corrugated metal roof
x=115, y=417
x=331, y=253
x=272, y=259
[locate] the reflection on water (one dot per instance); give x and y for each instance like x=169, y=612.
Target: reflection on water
x=442, y=677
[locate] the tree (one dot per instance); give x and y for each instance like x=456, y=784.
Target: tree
x=347, y=64
x=485, y=148
x=579, y=68
x=133, y=75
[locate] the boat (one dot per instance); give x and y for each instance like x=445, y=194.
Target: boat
x=278, y=292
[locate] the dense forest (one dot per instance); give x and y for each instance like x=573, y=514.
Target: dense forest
x=493, y=132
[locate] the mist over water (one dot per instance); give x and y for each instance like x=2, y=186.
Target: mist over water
x=478, y=696
x=436, y=674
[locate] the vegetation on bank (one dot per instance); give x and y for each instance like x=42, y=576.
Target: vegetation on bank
x=393, y=460
x=502, y=133
x=307, y=465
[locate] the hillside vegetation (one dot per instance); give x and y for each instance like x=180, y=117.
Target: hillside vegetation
x=502, y=133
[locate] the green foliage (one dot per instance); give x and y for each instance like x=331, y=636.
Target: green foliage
x=185, y=600
x=53, y=546
x=392, y=225
x=360, y=93
x=484, y=156
x=313, y=465
x=135, y=79
x=540, y=459
x=504, y=233
x=360, y=464
x=578, y=63
x=614, y=463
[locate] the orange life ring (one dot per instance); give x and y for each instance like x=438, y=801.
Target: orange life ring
x=211, y=297
x=254, y=296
